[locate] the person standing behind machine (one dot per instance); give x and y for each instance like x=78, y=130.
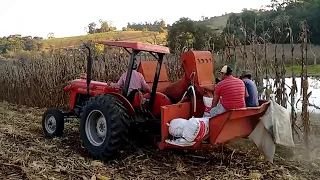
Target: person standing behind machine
x=251, y=88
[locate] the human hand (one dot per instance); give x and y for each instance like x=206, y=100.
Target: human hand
x=109, y=82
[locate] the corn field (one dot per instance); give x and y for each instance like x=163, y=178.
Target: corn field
x=39, y=79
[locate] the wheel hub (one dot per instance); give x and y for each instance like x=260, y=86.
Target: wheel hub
x=96, y=127
x=101, y=127
x=50, y=124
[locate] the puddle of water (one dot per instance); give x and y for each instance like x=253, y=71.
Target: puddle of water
x=314, y=87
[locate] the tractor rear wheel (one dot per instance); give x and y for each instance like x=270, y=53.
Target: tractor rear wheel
x=53, y=123
x=104, y=126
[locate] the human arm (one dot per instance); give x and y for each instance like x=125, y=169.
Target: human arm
x=118, y=84
x=216, y=96
x=246, y=94
x=144, y=84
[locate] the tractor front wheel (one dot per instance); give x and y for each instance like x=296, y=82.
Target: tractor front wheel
x=104, y=126
x=53, y=123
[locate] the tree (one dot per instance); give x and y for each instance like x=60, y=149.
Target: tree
x=51, y=35
x=162, y=26
x=92, y=28
x=158, y=26
x=284, y=14
x=181, y=35
x=186, y=34
x=105, y=26
x=30, y=45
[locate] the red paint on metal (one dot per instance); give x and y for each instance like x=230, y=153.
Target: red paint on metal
x=159, y=101
x=223, y=128
x=148, y=69
x=79, y=86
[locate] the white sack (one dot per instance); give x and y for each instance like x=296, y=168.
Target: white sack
x=278, y=123
x=207, y=106
x=264, y=141
x=177, y=126
x=274, y=127
x=195, y=129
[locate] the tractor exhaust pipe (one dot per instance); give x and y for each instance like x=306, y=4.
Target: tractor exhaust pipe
x=89, y=68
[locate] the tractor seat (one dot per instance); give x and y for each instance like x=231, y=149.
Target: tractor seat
x=135, y=97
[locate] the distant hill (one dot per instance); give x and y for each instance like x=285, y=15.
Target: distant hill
x=218, y=22
x=69, y=42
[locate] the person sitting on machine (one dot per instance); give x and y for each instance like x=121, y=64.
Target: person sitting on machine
x=230, y=92
x=251, y=90
x=137, y=81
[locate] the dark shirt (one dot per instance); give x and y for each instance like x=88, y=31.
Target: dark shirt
x=252, y=99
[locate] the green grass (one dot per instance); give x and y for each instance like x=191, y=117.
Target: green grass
x=218, y=22
x=312, y=69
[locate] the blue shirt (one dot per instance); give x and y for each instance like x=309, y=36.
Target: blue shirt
x=252, y=99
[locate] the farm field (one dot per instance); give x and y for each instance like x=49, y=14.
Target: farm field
x=140, y=36
x=26, y=154
x=313, y=70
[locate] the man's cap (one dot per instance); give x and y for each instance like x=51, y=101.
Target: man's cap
x=226, y=69
x=245, y=72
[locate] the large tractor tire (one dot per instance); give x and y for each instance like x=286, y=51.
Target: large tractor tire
x=53, y=123
x=104, y=126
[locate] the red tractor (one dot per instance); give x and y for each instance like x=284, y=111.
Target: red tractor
x=107, y=114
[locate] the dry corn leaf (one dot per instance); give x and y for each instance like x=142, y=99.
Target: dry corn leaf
x=255, y=176
x=93, y=177
x=100, y=177
x=96, y=164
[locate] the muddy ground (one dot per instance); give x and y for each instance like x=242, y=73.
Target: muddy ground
x=26, y=154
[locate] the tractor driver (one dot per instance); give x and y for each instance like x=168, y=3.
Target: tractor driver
x=137, y=81
x=230, y=92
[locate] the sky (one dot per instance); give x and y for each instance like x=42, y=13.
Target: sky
x=70, y=17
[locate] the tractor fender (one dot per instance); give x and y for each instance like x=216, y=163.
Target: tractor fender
x=126, y=103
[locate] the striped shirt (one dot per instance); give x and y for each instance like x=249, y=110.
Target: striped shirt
x=231, y=91
x=137, y=82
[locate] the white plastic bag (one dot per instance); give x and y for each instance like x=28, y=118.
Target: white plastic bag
x=177, y=126
x=281, y=129
x=180, y=142
x=274, y=127
x=195, y=129
x=207, y=106
x=262, y=138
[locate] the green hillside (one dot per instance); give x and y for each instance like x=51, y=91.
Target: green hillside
x=141, y=36
x=218, y=22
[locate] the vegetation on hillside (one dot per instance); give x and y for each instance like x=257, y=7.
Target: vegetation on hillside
x=282, y=14
x=16, y=43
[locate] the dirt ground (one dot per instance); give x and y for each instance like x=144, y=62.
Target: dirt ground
x=26, y=154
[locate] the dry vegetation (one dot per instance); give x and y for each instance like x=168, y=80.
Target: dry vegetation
x=26, y=154
x=39, y=79
x=75, y=41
